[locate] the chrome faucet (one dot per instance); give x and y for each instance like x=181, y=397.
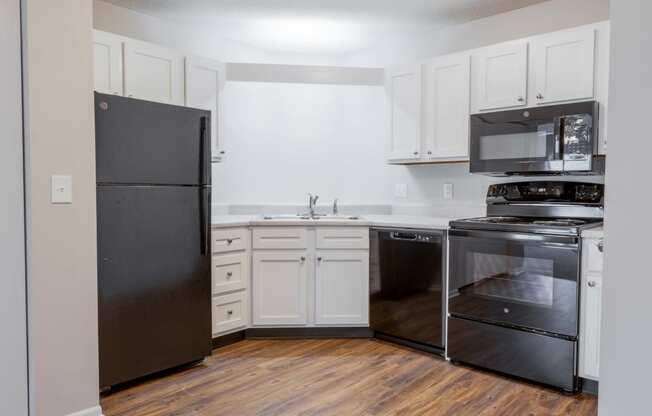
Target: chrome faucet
x=336, y=210
x=312, y=203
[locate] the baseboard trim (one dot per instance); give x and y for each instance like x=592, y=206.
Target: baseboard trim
x=308, y=333
x=91, y=411
x=590, y=386
x=228, y=339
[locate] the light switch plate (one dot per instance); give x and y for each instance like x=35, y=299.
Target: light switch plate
x=400, y=190
x=448, y=191
x=61, y=189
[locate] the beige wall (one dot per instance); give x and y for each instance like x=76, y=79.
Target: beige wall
x=625, y=365
x=61, y=242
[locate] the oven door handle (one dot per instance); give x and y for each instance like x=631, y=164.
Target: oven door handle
x=519, y=237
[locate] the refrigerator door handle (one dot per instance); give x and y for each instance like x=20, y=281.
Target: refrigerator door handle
x=205, y=232
x=204, y=153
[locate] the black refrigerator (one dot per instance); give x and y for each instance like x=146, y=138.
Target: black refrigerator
x=153, y=236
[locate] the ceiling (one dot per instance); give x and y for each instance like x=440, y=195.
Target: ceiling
x=321, y=26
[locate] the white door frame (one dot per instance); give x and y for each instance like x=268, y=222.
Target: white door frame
x=13, y=311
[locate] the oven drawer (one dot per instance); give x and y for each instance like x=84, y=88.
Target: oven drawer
x=544, y=359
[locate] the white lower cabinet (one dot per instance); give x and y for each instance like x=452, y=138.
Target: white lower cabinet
x=297, y=283
x=230, y=312
x=280, y=287
x=342, y=287
x=591, y=308
x=230, y=278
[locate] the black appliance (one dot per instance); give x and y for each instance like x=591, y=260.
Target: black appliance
x=407, y=288
x=153, y=218
x=552, y=140
x=514, y=280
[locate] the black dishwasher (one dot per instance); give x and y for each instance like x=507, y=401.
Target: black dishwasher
x=407, y=287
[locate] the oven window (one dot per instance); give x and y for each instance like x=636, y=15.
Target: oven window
x=518, y=145
x=527, y=284
x=529, y=281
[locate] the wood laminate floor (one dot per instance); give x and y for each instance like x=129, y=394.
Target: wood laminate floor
x=335, y=377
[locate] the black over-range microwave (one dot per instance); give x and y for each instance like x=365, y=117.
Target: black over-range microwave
x=552, y=140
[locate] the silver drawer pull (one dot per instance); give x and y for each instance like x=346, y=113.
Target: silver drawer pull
x=601, y=246
x=229, y=312
x=591, y=283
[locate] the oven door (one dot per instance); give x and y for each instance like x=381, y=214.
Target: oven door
x=527, y=281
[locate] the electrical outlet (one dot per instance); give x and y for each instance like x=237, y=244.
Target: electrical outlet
x=448, y=191
x=400, y=190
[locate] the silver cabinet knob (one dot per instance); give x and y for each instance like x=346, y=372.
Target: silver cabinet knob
x=229, y=241
x=303, y=258
x=591, y=283
x=539, y=96
x=520, y=99
x=229, y=274
x=429, y=152
x=601, y=246
x=229, y=312
x=222, y=152
x=318, y=258
x=415, y=153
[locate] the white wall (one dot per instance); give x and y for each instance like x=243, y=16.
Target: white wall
x=287, y=139
x=13, y=347
x=61, y=239
x=626, y=338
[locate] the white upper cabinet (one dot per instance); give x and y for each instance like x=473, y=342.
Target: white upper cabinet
x=447, y=95
x=342, y=287
x=563, y=66
x=500, y=76
x=153, y=73
x=107, y=63
x=403, y=90
x=204, y=86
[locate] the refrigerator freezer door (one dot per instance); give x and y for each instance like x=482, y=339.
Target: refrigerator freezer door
x=154, y=279
x=142, y=142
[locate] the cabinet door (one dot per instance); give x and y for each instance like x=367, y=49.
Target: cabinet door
x=342, y=287
x=563, y=66
x=447, y=89
x=590, y=325
x=403, y=91
x=107, y=63
x=280, y=285
x=204, y=86
x=500, y=76
x=153, y=73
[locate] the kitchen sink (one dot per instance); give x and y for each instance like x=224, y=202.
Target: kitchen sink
x=308, y=217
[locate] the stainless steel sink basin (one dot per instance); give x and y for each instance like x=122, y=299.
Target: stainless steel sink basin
x=308, y=217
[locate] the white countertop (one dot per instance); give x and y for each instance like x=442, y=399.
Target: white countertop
x=394, y=221
x=597, y=232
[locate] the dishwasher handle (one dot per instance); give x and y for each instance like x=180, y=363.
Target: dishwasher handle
x=398, y=235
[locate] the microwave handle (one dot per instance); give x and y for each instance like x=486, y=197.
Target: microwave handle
x=559, y=138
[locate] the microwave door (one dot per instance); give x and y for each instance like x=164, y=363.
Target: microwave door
x=514, y=142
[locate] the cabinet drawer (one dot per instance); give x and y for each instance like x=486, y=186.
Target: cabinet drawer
x=594, y=255
x=343, y=237
x=230, y=239
x=280, y=237
x=230, y=312
x=229, y=272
